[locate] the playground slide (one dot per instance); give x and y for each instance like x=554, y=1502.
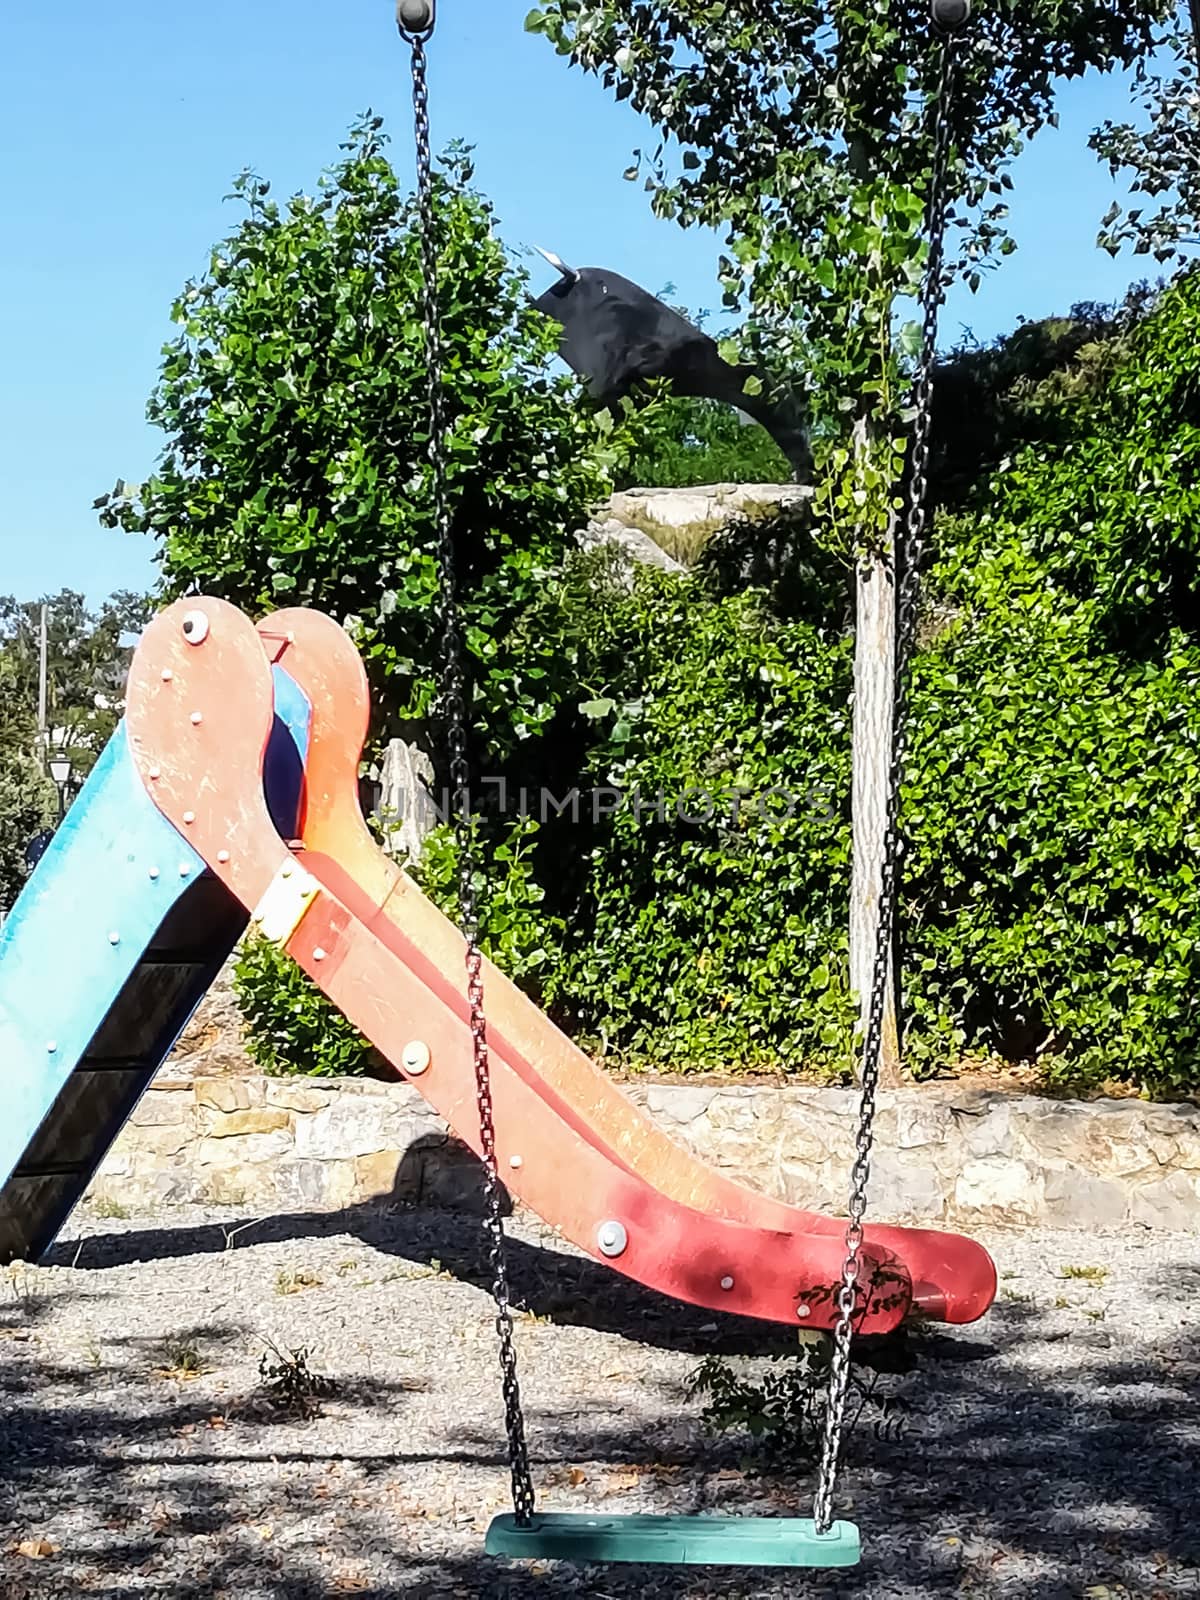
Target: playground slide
x=953, y=1278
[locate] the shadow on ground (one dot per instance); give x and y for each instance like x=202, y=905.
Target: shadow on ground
x=1044, y=1478
x=567, y=1289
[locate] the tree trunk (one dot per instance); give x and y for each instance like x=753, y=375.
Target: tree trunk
x=874, y=675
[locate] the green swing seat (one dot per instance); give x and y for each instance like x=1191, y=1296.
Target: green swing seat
x=679, y=1540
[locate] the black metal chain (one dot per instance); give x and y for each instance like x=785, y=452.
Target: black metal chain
x=416, y=23
x=908, y=568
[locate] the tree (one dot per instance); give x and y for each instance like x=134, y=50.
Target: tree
x=87, y=660
x=26, y=793
x=1162, y=160
x=294, y=402
x=802, y=133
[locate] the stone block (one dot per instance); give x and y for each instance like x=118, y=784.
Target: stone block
x=904, y=1191
x=290, y=1095
x=1172, y=1203
x=985, y=1130
x=222, y=1094
x=160, y=1108
x=678, y=1103
x=1075, y=1199
x=239, y=1185
x=920, y=1124
x=303, y=1185
x=799, y=1138
x=375, y=1176
x=156, y=1141
x=999, y=1190
x=257, y=1119
x=349, y=1125
x=244, y=1150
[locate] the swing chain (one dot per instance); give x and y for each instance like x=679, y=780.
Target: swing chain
x=454, y=710
x=908, y=563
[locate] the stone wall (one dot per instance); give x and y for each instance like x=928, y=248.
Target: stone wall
x=944, y=1156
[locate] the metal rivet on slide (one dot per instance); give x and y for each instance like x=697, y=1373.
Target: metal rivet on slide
x=803, y=1311
x=319, y=954
x=154, y=872
x=197, y=718
x=189, y=816
x=727, y=1283
x=516, y=1161
x=415, y=1057
x=156, y=772
x=222, y=856
x=184, y=869
x=612, y=1238
x=167, y=674
x=114, y=937
x=195, y=627
x=51, y=1046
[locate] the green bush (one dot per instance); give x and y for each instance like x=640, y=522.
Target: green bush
x=515, y=930
x=712, y=935
x=1056, y=773
x=290, y=1026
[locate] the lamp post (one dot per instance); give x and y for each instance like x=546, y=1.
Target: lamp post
x=60, y=771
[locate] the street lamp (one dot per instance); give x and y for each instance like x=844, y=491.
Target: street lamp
x=60, y=771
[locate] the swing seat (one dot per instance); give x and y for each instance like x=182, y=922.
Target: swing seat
x=676, y=1540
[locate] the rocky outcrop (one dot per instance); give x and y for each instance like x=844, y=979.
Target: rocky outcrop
x=669, y=528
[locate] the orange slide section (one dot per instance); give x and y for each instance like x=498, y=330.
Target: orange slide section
x=571, y=1143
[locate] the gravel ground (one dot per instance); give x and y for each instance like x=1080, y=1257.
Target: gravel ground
x=1051, y=1449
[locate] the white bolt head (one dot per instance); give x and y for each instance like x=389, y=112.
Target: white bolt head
x=803, y=1311
x=612, y=1238
x=156, y=773
x=154, y=872
x=189, y=816
x=197, y=718
x=222, y=856
x=195, y=627
x=415, y=1057
x=51, y=1046
x=516, y=1161
x=114, y=937
x=184, y=869
x=727, y=1283
x=167, y=674
x=319, y=954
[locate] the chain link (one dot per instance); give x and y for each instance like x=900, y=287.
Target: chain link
x=908, y=564
x=453, y=684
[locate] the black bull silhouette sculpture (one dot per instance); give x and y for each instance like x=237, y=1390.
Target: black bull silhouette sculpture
x=616, y=335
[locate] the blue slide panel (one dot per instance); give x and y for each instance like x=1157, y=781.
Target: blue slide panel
x=114, y=869
x=97, y=897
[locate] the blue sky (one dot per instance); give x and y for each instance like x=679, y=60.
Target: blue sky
x=128, y=120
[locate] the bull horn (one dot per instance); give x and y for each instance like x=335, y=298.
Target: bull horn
x=559, y=265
